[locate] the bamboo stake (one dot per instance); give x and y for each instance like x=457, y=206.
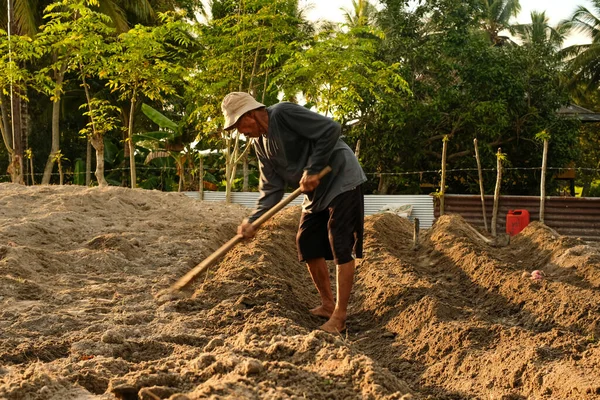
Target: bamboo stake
x=443, y=183
x=497, y=192
x=543, y=183
x=481, y=184
x=416, y=235
x=31, y=168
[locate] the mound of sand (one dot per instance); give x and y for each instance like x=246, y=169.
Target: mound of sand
x=81, y=317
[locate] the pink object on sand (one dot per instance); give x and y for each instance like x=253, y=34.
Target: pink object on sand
x=537, y=275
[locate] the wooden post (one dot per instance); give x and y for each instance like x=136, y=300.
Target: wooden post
x=201, y=174
x=31, y=167
x=416, y=235
x=481, y=185
x=497, y=192
x=443, y=183
x=543, y=181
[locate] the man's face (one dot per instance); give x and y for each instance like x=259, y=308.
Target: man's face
x=249, y=126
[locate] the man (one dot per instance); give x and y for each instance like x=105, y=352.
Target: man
x=294, y=144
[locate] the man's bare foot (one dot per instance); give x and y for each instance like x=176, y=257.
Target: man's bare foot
x=334, y=325
x=322, y=311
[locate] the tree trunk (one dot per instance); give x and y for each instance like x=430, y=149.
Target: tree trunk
x=384, y=184
x=97, y=141
x=497, y=192
x=31, y=169
x=60, y=173
x=587, y=185
x=55, y=147
x=130, y=142
x=17, y=131
x=245, y=169
x=231, y=167
x=13, y=130
x=179, y=160
x=543, y=182
x=416, y=235
x=5, y=127
x=228, y=170
x=443, y=179
x=26, y=132
x=480, y=172
x=22, y=136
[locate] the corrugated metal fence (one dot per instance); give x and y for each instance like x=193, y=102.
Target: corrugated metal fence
x=422, y=204
x=570, y=216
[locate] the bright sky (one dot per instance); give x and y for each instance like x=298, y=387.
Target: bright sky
x=556, y=10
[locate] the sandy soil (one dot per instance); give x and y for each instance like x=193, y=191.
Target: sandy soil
x=82, y=315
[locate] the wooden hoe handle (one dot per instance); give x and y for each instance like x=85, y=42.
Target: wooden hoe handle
x=210, y=260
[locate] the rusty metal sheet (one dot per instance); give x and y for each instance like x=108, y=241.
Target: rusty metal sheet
x=569, y=216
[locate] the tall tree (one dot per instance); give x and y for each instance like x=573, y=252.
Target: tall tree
x=584, y=59
x=13, y=81
x=246, y=43
x=21, y=18
x=462, y=88
x=362, y=13
x=495, y=18
x=142, y=66
x=56, y=40
x=540, y=32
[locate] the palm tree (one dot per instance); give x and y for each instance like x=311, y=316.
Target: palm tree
x=539, y=32
x=584, y=59
x=496, y=15
x=127, y=13
x=362, y=14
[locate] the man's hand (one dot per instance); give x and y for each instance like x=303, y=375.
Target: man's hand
x=308, y=183
x=246, y=229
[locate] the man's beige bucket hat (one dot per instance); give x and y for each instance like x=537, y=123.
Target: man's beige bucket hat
x=235, y=105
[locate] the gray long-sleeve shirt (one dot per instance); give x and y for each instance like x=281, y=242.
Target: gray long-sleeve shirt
x=298, y=140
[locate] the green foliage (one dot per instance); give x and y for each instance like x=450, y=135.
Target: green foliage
x=594, y=190
x=399, y=81
x=464, y=87
x=583, y=60
x=140, y=64
x=495, y=17
x=12, y=71
x=163, y=144
x=543, y=135
x=243, y=48
x=341, y=75
x=103, y=117
x=539, y=32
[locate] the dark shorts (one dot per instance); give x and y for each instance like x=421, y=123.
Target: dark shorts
x=335, y=233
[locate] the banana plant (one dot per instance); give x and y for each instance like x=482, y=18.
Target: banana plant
x=165, y=143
